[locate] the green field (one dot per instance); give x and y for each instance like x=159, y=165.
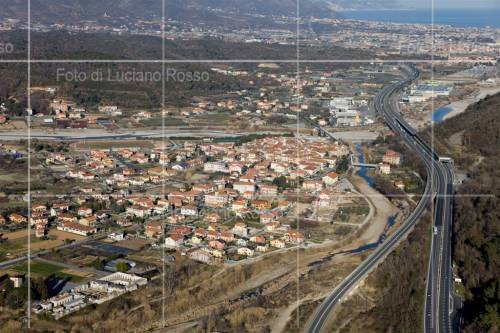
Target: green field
x=46, y=270
x=221, y=118
x=17, y=244
x=10, y=247
x=158, y=122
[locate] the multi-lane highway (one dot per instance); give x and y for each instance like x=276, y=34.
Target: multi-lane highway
x=438, y=308
x=439, y=184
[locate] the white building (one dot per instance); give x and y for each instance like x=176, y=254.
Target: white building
x=331, y=178
x=212, y=167
x=243, y=187
x=189, y=210
x=385, y=168
x=245, y=251
x=117, y=236
x=174, y=241
x=77, y=228
x=125, y=279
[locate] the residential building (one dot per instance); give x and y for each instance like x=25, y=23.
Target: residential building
x=212, y=167
x=17, y=218
x=240, y=229
x=243, y=187
x=330, y=178
x=76, y=228
x=154, y=229
x=174, y=241
x=385, y=168
x=202, y=256
x=277, y=243
x=245, y=251
x=189, y=210
x=294, y=237
x=392, y=157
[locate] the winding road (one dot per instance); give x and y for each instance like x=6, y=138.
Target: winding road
x=440, y=189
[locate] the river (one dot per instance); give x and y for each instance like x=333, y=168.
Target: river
x=440, y=113
x=455, y=108
x=363, y=173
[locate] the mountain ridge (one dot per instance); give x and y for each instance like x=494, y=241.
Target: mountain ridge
x=193, y=11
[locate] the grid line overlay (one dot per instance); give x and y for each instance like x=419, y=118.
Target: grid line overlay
x=433, y=168
x=28, y=91
x=297, y=213
x=350, y=195
x=163, y=305
x=298, y=61
x=433, y=106
x=239, y=61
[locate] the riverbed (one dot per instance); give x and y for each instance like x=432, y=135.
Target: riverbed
x=390, y=220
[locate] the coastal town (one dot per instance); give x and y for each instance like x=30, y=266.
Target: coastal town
x=264, y=187
x=451, y=42
x=214, y=201
x=210, y=170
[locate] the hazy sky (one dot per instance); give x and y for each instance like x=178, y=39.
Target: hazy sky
x=453, y=3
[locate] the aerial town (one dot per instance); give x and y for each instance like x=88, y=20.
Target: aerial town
x=234, y=171
x=453, y=43
x=264, y=177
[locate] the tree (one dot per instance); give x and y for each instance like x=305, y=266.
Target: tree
x=16, y=297
x=39, y=289
x=343, y=164
x=122, y=266
x=277, y=119
x=98, y=264
x=280, y=182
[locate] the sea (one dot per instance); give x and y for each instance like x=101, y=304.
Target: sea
x=481, y=18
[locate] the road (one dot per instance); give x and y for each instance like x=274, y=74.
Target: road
x=438, y=308
x=438, y=185
x=123, y=134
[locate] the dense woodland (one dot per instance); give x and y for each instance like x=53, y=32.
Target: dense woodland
x=476, y=149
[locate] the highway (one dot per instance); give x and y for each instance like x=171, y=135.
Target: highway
x=439, y=184
x=438, y=310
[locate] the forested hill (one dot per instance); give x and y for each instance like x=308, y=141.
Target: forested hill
x=63, y=45
x=473, y=138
